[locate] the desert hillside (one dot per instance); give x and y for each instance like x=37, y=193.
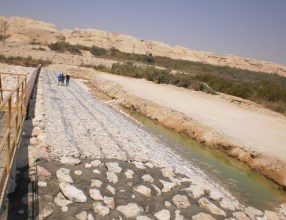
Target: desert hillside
x=25, y=30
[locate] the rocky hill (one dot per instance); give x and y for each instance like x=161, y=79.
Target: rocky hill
x=25, y=30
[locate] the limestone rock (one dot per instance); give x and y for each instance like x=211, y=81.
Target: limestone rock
x=195, y=191
x=130, y=210
x=215, y=195
x=167, y=186
x=178, y=216
x=270, y=215
x=112, y=177
x=163, y=215
x=150, y=165
x=227, y=204
x=147, y=178
x=43, y=174
x=252, y=213
x=34, y=141
x=36, y=131
x=202, y=216
x=46, y=210
x=70, y=161
x=96, y=171
x=157, y=190
x=143, y=190
x=95, y=163
x=167, y=172
x=109, y=202
x=95, y=194
x=129, y=174
x=141, y=217
x=181, y=201
x=240, y=216
x=90, y=217
x=61, y=201
x=78, y=172
x=82, y=216
x=139, y=165
x=204, y=203
x=42, y=184
x=100, y=209
x=63, y=175
x=72, y=193
x=87, y=165
x=96, y=183
x=168, y=204
x=111, y=189
x=113, y=167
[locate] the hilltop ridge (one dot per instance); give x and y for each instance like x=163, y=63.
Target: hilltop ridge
x=22, y=30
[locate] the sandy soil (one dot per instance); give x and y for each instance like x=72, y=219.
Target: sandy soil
x=253, y=128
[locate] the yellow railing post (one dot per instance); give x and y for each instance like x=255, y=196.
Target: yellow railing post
x=9, y=134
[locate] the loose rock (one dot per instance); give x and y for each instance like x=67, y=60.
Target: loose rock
x=72, y=193
x=78, y=172
x=63, y=175
x=195, y=191
x=82, y=216
x=95, y=163
x=168, y=186
x=147, y=178
x=181, y=201
x=203, y=202
x=130, y=210
x=43, y=174
x=112, y=177
x=95, y=194
x=100, y=209
x=202, y=216
x=163, y=215
x=129, y=174
x=61, y=201
x=113, y=167
x=70, y=161
x=167, y=172
x=240, y=216
x=109, y=202
x=143, y=190
x=111, y=189
x=96, y=183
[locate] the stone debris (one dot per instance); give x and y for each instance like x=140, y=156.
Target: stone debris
x=42, y=184
x=204, y=203
x=70, y=161
x=82, y=216
x=163, y=215
x=43, y=174
x=96, y=171
x=63, y=175
x=129, y=174
x=61, y=201
x=100, y=209
x=78, y=172
x=168, y=172
x=130, y=210
x=95, y=194
x=178, y=215
x=167, y=204
x=96, y=183
x=181, y=201
x=112, y=177
x=215, y=195
x=87, y=165
x=109, y=202
x=113, y=167
x=157, y=189
x=95, y=163
x=90, y=217
x=270, y=215
x=202, y=216
x=167, y=186
x=147, y=178
x=195, y=191
x=141, y=217
x=111, y=189
x=72, y=193
x=150, y=165
x=143, y=190
x=139, y=165
x=240, y=216
x=227, y=204
x=46, y=211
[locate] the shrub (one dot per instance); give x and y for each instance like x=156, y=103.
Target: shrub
x=97, y=51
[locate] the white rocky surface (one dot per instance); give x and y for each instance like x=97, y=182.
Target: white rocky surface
x=95, y=194
x=130, y=210
x=72, y=193
x=163, y=215
x=143, y=190
x=70, y=161
x=63, y=176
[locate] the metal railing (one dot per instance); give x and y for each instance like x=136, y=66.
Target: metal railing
x=13, y=105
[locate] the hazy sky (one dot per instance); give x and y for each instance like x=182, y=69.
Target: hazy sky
x=249, y=28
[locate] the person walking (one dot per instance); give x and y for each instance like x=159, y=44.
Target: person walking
x=67, y=79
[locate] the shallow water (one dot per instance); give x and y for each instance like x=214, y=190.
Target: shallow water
x=248, y=186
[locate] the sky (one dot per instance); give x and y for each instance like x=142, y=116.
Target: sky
x=248, y=28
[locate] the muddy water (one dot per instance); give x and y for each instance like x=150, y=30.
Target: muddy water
x=248, y=186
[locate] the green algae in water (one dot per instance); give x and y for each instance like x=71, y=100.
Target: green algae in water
x=248, y=186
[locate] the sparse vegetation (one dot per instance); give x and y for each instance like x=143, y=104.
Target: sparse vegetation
x=263, y=88
x=24, y=61
x=62, y=46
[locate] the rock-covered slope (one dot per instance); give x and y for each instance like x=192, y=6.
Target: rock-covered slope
x=25, y=30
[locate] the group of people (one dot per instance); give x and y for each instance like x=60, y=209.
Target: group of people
x=62, y=78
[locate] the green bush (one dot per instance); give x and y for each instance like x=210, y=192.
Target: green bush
x=62, y=46
x=97, y=51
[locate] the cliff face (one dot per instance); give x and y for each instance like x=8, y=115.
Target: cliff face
x=25, y=30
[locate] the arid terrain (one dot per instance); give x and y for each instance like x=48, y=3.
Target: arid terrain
x=72, y=130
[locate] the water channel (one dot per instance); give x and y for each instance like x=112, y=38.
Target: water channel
x=248, y=186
